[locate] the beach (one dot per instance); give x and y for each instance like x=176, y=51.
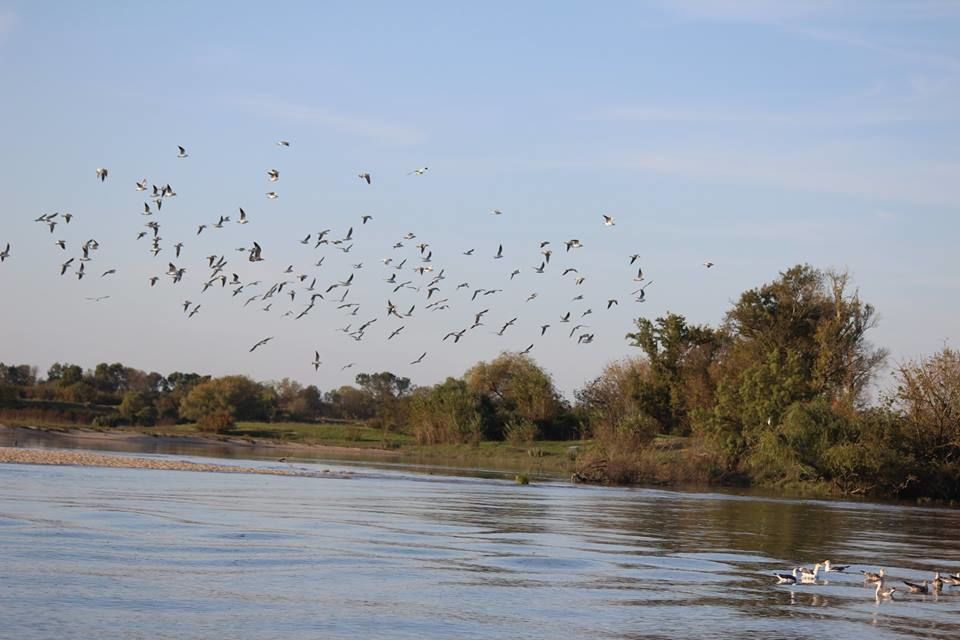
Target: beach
x=16, y=455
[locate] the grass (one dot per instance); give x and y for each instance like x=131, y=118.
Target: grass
x=542, y=456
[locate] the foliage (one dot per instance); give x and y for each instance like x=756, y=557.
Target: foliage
x=678, y=356
x=216, y=404
x=446, y=413
x=512, y=388
x=386, y=391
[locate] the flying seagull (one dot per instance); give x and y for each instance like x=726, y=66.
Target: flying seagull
x=102, y=174
x=608, y=221
x=364, y=176
x=183, y=152
x=272, y=195
x=708, y=264
x=316, y=361
x=261, y=343
x=6, y=253
x=273, y=175
x=420, y=359
x=419, y=172
x=283, y=143
x=499, y=253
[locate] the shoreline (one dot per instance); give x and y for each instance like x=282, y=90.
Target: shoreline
x=134, y=437
x=82, y=458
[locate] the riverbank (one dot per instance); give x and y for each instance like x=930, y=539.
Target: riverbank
x=16, y=455
x=301, y=442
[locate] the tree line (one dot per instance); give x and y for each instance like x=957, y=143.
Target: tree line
x=779, y=393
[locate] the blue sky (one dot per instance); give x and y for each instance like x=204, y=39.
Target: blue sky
x=755, y=135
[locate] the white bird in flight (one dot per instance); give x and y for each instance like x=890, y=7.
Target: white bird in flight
x=261, y=343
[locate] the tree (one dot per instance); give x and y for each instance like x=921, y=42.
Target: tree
x=615, y=406
x=137, y=408
x=679, y=355
x=217, y=404
x=798, y=338
x=927, y=399
x=22, y=375
x=516, y=390
x=110, y=378
x=350, y=403
x=446, y=413
x=386, y=390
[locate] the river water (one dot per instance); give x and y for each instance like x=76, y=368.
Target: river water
x=134, y=553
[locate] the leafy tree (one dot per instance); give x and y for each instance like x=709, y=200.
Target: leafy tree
x=65, y=374
x=446, y=413
x=350, y=403
x=137, y=408
x=22, y=375
x=217, y=404
x=110, y=378
x=680, y=356
x=516, y=390
x=798, y=338
x=386, y=390
x=927, y=399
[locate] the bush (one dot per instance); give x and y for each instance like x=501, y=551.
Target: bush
x=519, y=433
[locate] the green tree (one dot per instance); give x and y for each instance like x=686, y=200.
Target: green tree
x=446, y=413
x=387, y=392
x=927, y=399
x=680, y=356
x=137, y=408
x=799, y=338
x=217, y=404
x=516, y=390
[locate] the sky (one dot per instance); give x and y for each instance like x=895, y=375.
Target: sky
x=754, y=135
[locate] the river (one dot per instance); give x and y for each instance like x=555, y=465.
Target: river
x=389, y=553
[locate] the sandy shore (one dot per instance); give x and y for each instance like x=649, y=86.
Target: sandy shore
x=135, y=438
x=16, y=455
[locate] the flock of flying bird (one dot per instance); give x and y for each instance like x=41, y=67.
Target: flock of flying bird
x=428, y=279
x=802, y=575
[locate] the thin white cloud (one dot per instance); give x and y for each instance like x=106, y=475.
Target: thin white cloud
x=820, y=169
x=832, y=118
x=749, y=10
x=352, y=124
x=806, y=18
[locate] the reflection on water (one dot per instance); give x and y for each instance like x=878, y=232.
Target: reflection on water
x=240, y=450
x=125, y=553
